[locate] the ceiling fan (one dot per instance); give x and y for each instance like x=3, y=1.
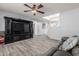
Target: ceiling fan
x=34, y=9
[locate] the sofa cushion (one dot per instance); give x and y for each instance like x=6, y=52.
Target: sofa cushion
x=75, y=51
x=61, y=53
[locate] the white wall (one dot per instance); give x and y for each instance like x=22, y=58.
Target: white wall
x=69, y=25
x=38, y=28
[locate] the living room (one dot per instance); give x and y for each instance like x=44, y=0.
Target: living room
x=50, y=25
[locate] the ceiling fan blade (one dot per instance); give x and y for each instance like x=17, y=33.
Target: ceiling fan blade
x=40, y=11
x=28, y=6
x=27, y=10
x=40, y=6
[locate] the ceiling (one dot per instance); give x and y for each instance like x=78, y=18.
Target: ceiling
x=49, y=8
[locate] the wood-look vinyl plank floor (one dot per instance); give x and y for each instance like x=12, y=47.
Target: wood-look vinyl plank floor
x=37, y=46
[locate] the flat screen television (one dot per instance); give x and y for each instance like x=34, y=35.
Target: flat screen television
x=20, y=28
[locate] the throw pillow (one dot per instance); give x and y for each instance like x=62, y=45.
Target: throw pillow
x=69, y=43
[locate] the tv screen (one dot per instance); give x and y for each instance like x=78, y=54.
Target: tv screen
x=18, y=27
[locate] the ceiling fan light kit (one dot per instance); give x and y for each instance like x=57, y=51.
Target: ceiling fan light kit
x=34, y=9
x=34, y=12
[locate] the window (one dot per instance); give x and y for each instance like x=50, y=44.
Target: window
x=54, y=19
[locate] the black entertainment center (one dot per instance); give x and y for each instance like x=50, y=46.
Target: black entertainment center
x=17, y=29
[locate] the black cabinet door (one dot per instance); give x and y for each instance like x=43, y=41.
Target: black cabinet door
x=8, y=32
